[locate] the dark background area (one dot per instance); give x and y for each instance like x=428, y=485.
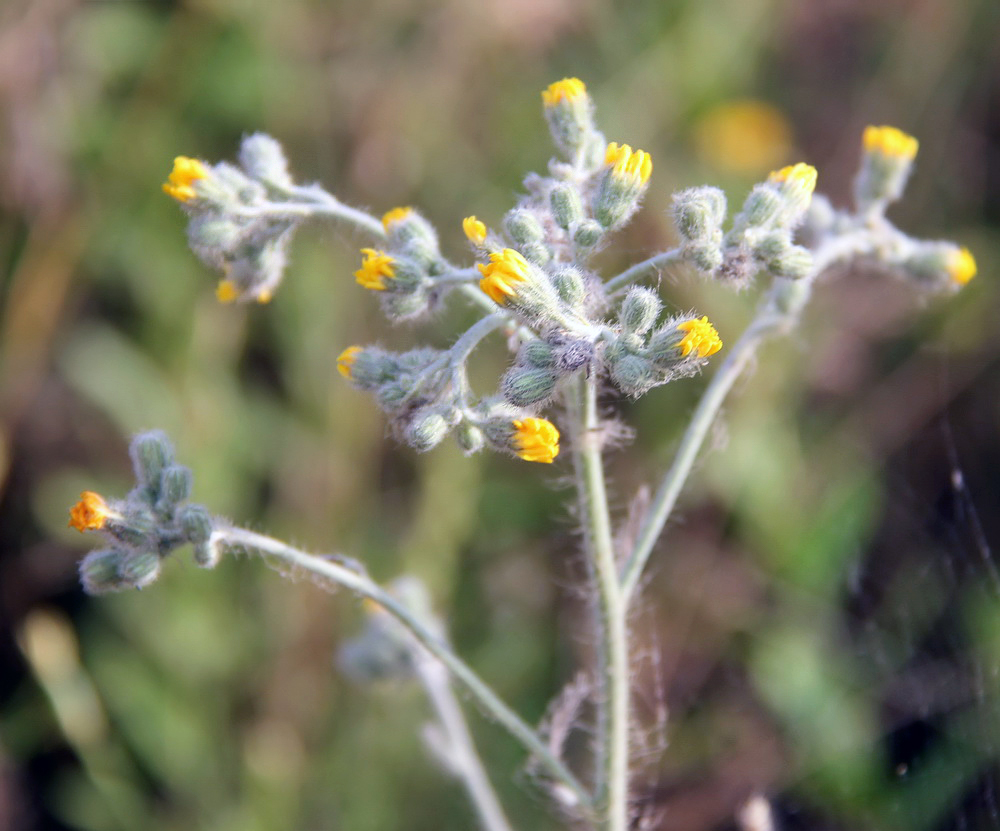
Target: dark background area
x=822, y=619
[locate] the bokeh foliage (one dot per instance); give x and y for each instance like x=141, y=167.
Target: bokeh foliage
x=826, y=590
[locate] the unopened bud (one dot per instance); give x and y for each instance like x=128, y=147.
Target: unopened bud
x=99, y=571
x=569, y=285
x=469, y=437
x=176, y=486
x=639, y=310
x=699, y=212
x=139, y=568
x=262, y=158
x=705, y=256
x=134, y=526
x=566, y=206
x=536, y=353
x=588, y=234
x=523, y=227
x=632, y=374
x=525, y=386
x=426, y=429
x=151, y=452
x=885, y=167
x=195, y=523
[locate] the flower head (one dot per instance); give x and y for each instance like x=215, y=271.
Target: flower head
x=346, y=359
x=90, y=513
x=474, y=229
x=536, y=440
x=389, y=218
x=961, y=266
x=889, y=141
x=803, y=175
x=568, y=89
x=628, y=164
x=700, y=338
x=376, y=268
x=505, y=269
x=180, y=183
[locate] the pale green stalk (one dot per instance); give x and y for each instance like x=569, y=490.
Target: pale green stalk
x=364, y=586
x=639, y=271
x=612, y=628
x=769, y=319
x=462, y=758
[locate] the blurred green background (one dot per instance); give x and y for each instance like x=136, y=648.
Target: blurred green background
x=821, y=623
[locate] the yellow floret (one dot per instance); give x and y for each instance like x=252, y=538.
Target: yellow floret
x=890, y=141
x=701, y=338
x=961, y=266
x=568, y=89
x=180, y=183
x=626, y=163
x=375, y=269
x=536, y=440
x=505, y=269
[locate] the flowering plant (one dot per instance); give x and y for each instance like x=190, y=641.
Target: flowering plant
x=573, y=336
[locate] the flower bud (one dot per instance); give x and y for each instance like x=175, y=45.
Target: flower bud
x=794, y=263
x=571, y=353
x=262, y=158
x=469, y=437
x=134, y=525
x=176, y=486
x=588, y=234
x=536, y=353
x=564, y=199
x=523, y=227
x=631, y=373
x=525, y=386
x=426, y=429
x=139, y=568
x=151, y=452
x=569, y=113
x=569, y=285
x=410, y=233
x=99, y=571
x=706, y=256
x=622, y=185
x=196, y=523
x=941, y=264
x=885, y=167
x=698, y=213
x=762, y=208
x=639, y=310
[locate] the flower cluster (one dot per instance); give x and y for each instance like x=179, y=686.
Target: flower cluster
x=232, y=226
x=146, y=526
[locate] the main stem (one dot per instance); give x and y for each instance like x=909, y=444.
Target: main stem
x=464, y=676
x=613, y=669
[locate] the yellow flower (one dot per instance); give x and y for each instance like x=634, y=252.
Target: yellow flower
x=888, y=141
x=264, y=296
x=375, y=270
x=701, y=338
x=474, y=229
x=961, y=266
x=568, y=89
x=90, y=513
x=536, y=440
x=226, y=291
x=395, y=215
x=505, y=269
x=801, y=174
x=346, y=359
x=626, y=163
x=180, y=183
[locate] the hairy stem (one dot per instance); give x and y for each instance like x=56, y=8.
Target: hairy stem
x=613, y=681
x=642, y=270
x=431, y=641
x=461, y=752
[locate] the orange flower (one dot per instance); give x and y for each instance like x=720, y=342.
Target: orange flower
x=90, y=513
x=376, y=268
